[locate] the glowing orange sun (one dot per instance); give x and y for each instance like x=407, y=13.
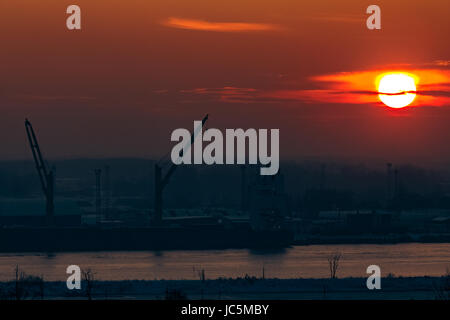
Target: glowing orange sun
x=397, y=89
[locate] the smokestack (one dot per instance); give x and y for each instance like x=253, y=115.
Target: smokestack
x=396, y=184
x=107, y=192
x=389, y=182
x=98, y=193
x=243, y=189
x=322, y=176
x=158, y=195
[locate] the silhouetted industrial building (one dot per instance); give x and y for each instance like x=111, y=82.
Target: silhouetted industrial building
x=369, y=222
x=31, y=212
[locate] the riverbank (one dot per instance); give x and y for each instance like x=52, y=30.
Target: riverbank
x=392, y=288
x=374, y=239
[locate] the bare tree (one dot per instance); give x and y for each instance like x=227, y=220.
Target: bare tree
x=442, y=289
x=89, y=278
x=333, y=263
x=19, y=290
x=201, y=275
x=41, y=285
x=27, y=285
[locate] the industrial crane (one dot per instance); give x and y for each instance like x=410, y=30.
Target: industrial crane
x=45, y=175
x=161, y=182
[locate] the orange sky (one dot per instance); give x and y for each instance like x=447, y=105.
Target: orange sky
x=139, y=69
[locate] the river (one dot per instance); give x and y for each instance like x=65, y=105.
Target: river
x=410, y=259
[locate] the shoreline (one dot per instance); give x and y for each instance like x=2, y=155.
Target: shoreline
x=306, y=241
x=392, y=288
x=373, y=239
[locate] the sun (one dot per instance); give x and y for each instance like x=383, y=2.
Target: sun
x=397, y=89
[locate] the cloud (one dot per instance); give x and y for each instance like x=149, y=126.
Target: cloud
x=340, y=18
x=360, y=87
x=202, y=25
x=55, y=98
x=357, y=87
x=225, y=94
x=441, y=63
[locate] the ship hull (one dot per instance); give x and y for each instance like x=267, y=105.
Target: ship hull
x=146, y=238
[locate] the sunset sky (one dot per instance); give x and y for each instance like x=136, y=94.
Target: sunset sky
x=139, y=69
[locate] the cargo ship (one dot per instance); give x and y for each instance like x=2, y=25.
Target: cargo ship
x=57, y=239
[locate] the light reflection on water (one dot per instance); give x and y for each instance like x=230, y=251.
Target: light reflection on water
x=411, y=259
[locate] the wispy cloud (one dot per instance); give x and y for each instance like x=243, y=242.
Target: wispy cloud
x=356, y=87
x=202, y=25
x=341, y=88
x=441, y=63
x=225, y=94
x=360, y=87
x=56, y=97
x=339, y=18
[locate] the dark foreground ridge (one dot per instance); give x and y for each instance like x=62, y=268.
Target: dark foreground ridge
x=392, y=288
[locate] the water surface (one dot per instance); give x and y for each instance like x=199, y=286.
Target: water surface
x=412, y=259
